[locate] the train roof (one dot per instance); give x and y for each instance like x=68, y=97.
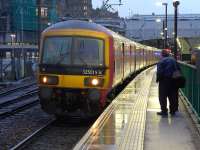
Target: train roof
x=77, y=24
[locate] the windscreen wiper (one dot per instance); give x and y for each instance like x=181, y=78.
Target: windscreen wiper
x=62, y=57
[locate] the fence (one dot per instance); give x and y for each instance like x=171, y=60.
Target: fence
x=192, y=88
x=16, y=63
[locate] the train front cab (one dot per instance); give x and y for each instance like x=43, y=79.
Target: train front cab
x=73, y=86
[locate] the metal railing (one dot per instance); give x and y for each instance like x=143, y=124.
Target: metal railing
x=192, y=87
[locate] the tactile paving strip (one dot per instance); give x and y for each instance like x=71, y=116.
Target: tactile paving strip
x=134, y=134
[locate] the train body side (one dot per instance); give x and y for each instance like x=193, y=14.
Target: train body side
x=130, y=57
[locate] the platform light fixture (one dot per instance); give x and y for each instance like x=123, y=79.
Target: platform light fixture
x=12, y=37
x=165, y=34
x=158, y=20
x=49, y=23
x=13, y=70
x=158, y=3
x=175, y=4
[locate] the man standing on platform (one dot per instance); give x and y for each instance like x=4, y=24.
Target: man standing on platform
x=167, y=89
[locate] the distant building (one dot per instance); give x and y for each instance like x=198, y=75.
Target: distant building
x=75, y=8
x=4, y=20
x=61, y=8
x=146, y=27
x=82, y=9
x=20, y=18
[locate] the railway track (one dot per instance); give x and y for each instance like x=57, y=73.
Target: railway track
x=54, y=135
x=18, y=99
x=30, y=138
x=8, y=91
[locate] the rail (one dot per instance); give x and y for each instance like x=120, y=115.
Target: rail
x=192, y=88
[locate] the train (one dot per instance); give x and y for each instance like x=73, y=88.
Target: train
x=80, y=62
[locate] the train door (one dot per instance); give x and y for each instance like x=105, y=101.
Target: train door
x=123, y=65
x=126, y=60
x=143, y=57
x=130, y=57
x=147, y=57
x=139, y=58
x=134, y=52
x=118, y=65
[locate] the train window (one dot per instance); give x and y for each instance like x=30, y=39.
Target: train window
x=88, y=51
x=57, y=50
x=73, y=51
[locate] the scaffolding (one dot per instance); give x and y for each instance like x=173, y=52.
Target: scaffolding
x=21, y=28
x=24, y=14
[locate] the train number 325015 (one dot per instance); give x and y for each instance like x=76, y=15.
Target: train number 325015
x=92, y=72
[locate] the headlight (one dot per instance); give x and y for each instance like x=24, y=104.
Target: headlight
x=95, y=82
x=44, y=79
x=50, y=80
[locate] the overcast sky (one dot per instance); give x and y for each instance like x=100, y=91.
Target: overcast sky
x=149, y=6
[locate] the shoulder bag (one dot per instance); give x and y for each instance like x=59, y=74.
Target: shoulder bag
x=179, y=79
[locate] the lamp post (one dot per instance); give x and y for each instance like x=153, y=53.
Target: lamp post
x=158, y=21
x=13, y=56
x=175, y=4
x=165, y=26
x=164, y=23
x=39, y=21
x=22, y=40
x=163, y=30
x=162, y=33
x=141, y=30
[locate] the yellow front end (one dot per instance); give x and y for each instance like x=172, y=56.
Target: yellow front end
x=60, y=91
x=77, y=81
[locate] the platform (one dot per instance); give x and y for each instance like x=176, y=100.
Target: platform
x=130, y=122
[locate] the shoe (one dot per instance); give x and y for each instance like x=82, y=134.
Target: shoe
x=172, y=113
x=161, y=113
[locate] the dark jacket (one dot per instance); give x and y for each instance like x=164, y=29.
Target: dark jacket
x=165, y=68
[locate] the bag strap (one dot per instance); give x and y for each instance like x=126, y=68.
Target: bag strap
x=175, y=65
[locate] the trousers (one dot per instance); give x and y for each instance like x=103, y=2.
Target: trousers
x=167, y=89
